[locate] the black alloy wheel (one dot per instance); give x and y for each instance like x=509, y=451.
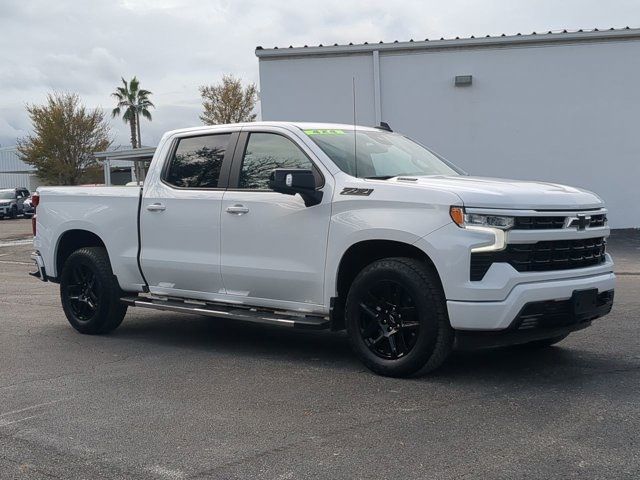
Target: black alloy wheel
x=389, y=325
x=83, y=292
x=396, y=317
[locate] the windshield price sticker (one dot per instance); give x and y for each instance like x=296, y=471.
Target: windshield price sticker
x=324, y=131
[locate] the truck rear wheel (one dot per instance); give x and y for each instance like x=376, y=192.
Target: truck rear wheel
x=397, y=319
x=90, y=293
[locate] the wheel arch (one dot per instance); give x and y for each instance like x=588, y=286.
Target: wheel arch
x=362, y=253
x=365, y=252
x=72, y=240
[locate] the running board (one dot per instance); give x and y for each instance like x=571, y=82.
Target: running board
x=247, y=314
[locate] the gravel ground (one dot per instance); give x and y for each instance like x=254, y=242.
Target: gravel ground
x=170, y=396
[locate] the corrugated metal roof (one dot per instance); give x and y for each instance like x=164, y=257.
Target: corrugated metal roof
x=10, y=161
x=551, y=36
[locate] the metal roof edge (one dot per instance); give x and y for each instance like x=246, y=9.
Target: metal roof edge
x=130, y=153
x=503, y=40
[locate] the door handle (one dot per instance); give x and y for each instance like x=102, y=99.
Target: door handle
x=156, y=207
x=238, y=209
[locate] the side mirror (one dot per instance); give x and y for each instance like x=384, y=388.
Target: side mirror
x=296, y=180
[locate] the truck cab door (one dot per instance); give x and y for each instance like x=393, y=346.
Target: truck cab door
x=273, y=245
x=180, y=217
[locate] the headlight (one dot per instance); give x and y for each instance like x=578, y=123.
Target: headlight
x=464, y=220
x=491, y=224
x=496, y=221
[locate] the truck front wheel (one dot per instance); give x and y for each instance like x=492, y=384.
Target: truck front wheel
x=90, y=293
x=397, y=319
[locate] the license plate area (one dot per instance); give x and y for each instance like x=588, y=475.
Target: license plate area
x=584, y=302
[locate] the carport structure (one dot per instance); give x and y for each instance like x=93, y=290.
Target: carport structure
x=136, y=159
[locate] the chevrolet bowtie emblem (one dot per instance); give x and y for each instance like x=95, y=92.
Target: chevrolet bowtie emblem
x=581, y=221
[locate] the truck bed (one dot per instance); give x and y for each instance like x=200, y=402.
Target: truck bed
x=111, y=213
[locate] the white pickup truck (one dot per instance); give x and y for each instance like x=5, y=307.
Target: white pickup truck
x=329, y=226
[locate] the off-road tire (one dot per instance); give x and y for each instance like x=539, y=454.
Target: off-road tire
x=435, y=335
x=109, y=311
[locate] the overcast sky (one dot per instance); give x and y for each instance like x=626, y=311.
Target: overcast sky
x=173, y=46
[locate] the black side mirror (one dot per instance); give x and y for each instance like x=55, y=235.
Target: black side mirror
x=296, y=180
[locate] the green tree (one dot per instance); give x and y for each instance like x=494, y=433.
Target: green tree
x=132, y=103
x=228, y=102
x=65, y=136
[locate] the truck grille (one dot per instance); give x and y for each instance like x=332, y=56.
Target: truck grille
x=542, y=256
x=552, y=222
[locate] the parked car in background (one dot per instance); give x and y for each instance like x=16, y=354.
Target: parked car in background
x=12, y=201
x=28, y=210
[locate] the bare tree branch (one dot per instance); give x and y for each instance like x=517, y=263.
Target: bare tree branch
x=228, y=102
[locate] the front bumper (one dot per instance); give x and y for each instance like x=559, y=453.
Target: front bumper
x=478, y=316
x=540, y=320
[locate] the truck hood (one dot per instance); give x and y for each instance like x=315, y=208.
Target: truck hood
x=510, y=194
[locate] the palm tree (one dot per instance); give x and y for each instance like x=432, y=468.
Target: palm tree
x=133, y=101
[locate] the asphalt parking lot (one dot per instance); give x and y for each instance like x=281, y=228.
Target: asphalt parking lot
x=171, y=396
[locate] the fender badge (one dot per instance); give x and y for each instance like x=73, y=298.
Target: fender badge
x=357, y=191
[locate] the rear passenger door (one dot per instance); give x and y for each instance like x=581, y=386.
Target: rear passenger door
x=180, y=217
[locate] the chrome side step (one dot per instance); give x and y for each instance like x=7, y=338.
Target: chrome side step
x=247, y=314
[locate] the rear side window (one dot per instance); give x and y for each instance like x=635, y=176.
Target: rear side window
x=265, y=152
x=197, y=161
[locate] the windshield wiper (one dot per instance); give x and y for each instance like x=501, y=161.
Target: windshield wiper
x=380, y=177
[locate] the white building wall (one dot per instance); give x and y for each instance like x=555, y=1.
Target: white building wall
x=325, y=91
x=561, y=112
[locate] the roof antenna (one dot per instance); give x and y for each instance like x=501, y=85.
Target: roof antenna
x=355, y=137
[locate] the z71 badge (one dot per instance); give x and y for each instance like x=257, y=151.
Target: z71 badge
x=357, y=191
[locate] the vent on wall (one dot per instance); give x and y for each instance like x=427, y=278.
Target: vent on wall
x=463, y=80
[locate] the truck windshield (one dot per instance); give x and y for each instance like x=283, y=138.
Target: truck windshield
x=379, y=154
x=7, y=194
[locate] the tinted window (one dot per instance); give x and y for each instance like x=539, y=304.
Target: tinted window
x=197, y=161
x=266, y=151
